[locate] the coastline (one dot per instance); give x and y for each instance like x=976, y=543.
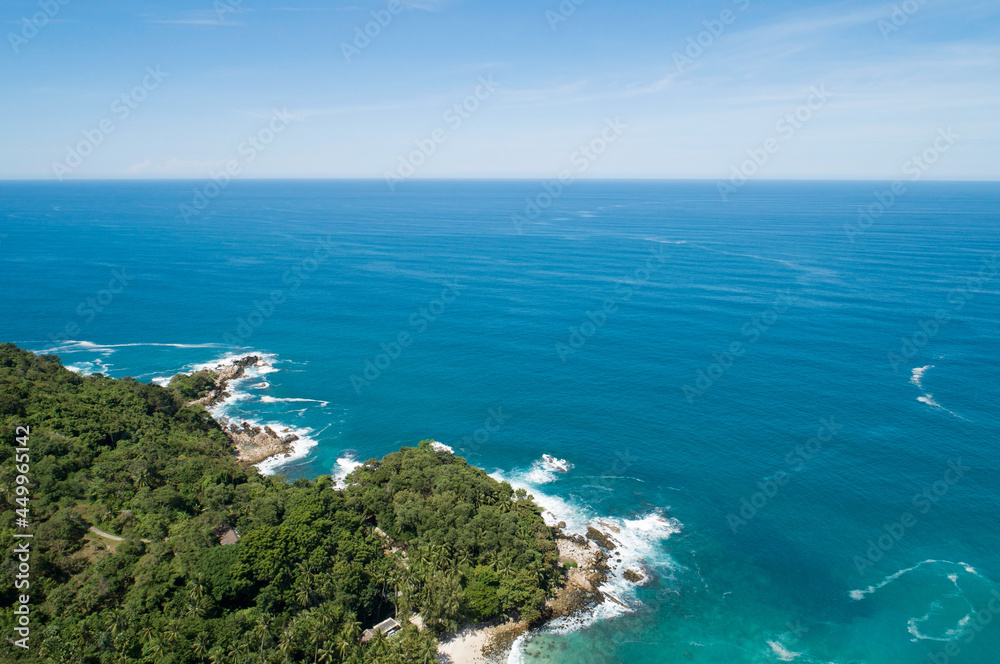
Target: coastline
x=255, y=445
x=585, y=559
x=589, y=558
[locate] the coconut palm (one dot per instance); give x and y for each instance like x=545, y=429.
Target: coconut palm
x=261, y=631
x=427, y=652
x=200, y=647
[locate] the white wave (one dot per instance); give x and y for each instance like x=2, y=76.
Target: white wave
x=251, y=376
x=949, y=635
x=86, y=368
x=78, y=347
x=441, y=447
x=266, y=399
x=912, y=625
x=918, y=375
x=229, y=358
x=638, y=544
x=162, y=381
x=538, y=474
x=558, y=465
x=163, y=345
x=298, y=450
x=75, y=345
x=783, y=653
x=929, y=400
x=917, y=379
x=547, y=470
x=345, y=465
x=860, y=594
x=516, y=656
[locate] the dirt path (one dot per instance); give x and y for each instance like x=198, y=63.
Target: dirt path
x=98, y=531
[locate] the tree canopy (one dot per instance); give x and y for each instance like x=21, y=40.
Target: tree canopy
x=309, y=571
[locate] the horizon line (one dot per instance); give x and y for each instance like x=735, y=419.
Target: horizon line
x=983, y=180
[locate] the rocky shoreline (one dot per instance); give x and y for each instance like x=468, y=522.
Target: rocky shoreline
x=253, y=444
x=586, y=559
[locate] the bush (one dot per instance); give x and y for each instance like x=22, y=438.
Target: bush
x=482, y=594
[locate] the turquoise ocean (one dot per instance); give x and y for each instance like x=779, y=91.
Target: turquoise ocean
x=784, y=410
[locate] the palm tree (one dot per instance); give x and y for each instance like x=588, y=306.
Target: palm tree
x=173, y=631
x=117, y=621
x=505, y=566
x=304, y=594
x=351, y=629
x=217, y=655
x=196, y=608
x=344, y=646
x=428, y=652
x=199, y=647
x=287, y=643
x=261, y=630
x=378, y=644
x=316, y=637
x=157, y=649
x=237, y=649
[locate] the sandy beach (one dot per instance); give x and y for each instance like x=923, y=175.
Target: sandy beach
x=465, y=646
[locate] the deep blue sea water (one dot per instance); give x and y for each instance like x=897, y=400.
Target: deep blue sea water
x=757, y=496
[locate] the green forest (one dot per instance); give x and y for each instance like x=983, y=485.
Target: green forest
x=419, y=532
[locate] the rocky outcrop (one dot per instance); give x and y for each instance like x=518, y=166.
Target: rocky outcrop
x=601, y=538
x=224, y=373
x=253, y=444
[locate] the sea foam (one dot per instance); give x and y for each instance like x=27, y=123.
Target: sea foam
x=639, y=545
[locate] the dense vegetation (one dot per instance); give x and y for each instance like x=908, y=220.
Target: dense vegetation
x=309, y=572
x=463, y=525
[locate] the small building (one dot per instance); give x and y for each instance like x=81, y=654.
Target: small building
x=387, y=627
x=229, y=536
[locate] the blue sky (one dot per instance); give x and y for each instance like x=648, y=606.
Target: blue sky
x=891, y=79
